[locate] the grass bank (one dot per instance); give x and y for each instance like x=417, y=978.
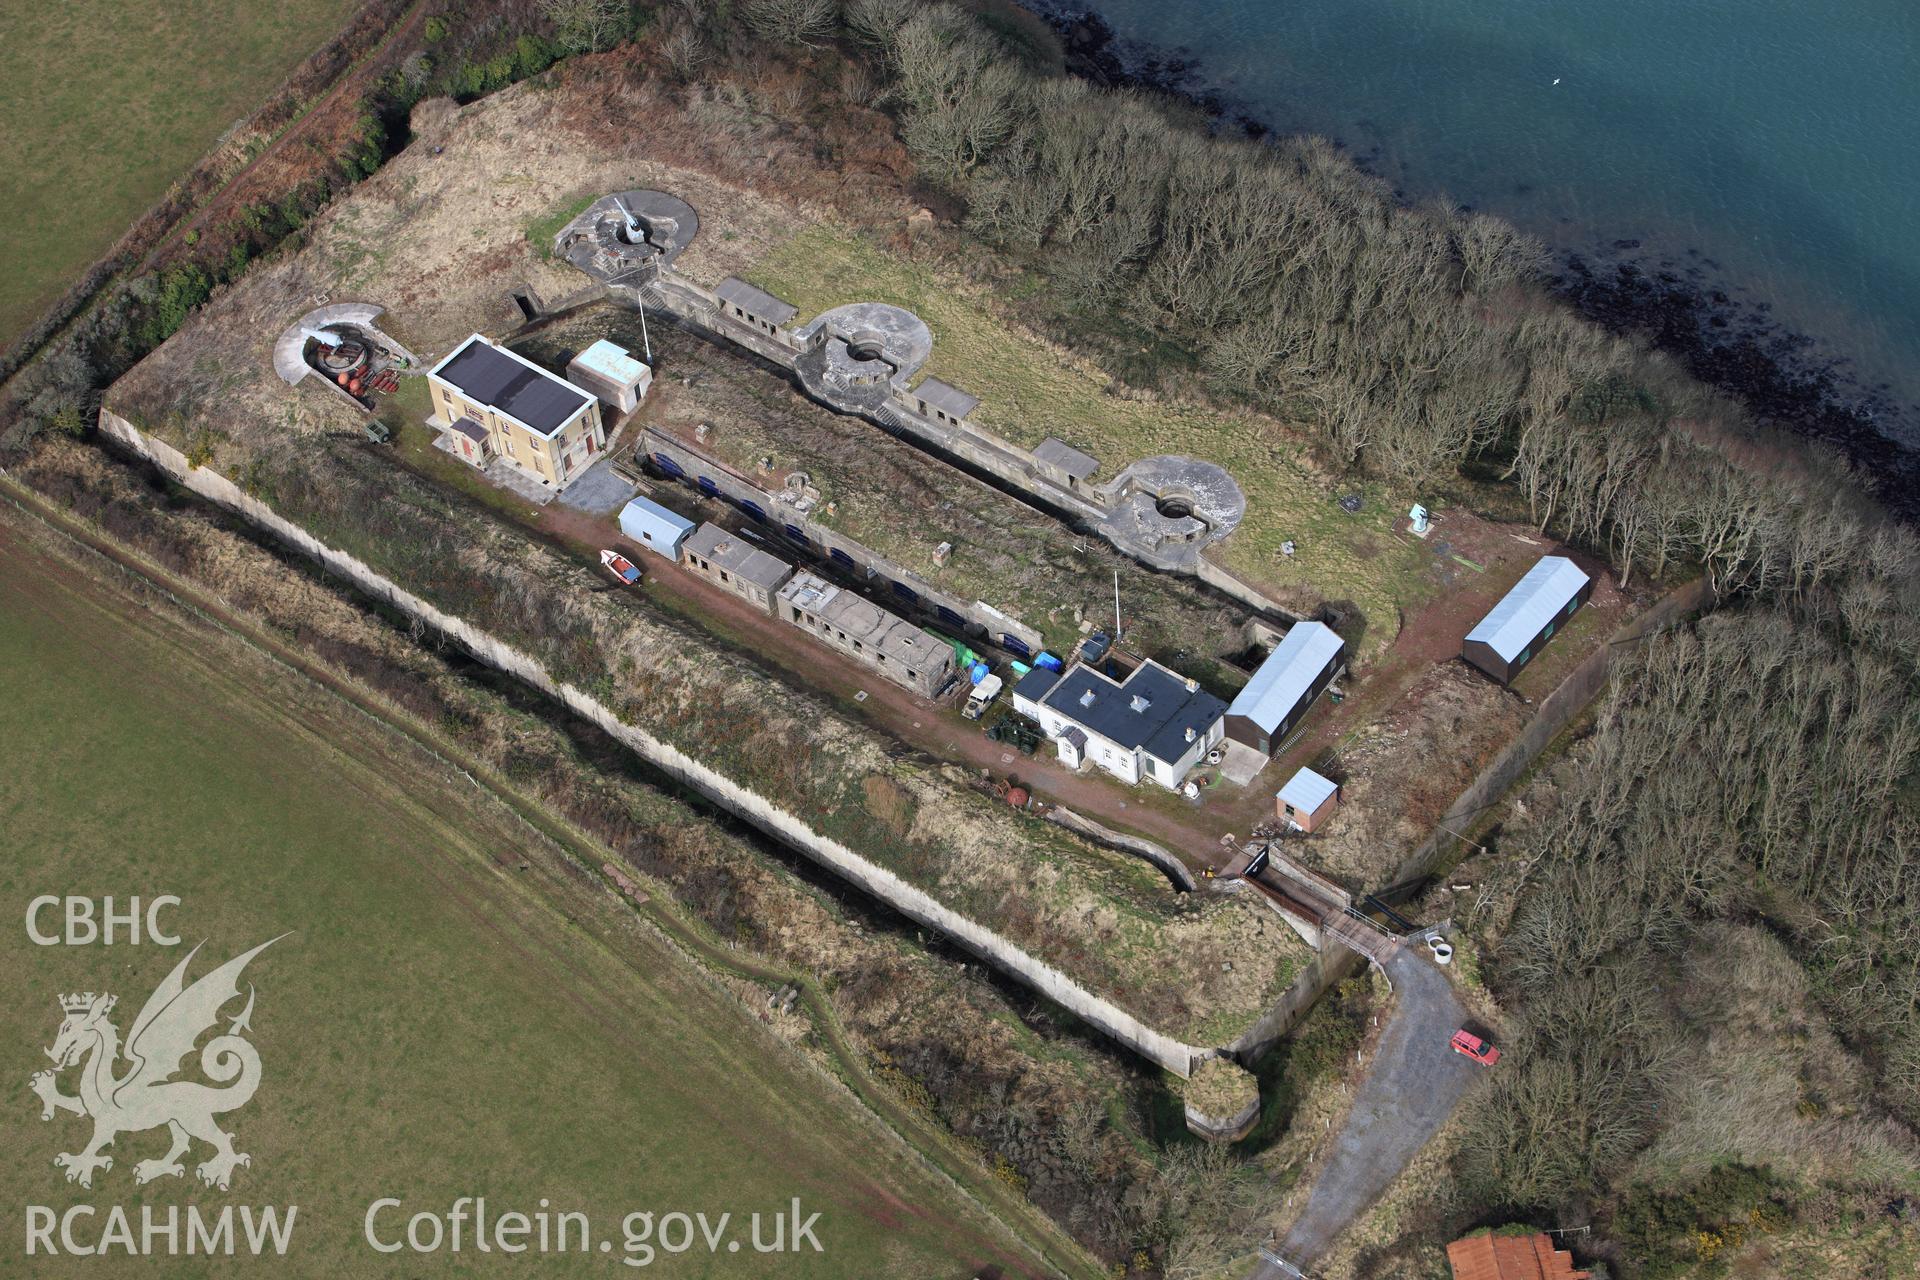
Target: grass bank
x=1031, y=389
x=102, y=105
x=431, y=1028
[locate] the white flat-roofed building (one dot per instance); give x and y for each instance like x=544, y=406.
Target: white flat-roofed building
x=609, y=371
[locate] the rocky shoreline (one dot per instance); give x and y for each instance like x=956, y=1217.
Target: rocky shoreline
x=1734, y=346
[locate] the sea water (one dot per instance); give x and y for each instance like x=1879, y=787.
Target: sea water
x=1772, y=146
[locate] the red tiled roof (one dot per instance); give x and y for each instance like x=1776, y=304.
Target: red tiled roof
x=1490, y=1257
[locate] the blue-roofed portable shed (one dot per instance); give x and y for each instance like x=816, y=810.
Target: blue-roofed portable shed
x=1307, y=800
x=655, y=528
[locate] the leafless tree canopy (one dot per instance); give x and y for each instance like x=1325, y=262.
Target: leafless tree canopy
x=581, y=26
x=793, y=22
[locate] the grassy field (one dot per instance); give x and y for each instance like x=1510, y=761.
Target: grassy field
x=1030, y=390
x=103, y=104
x=432, y=1027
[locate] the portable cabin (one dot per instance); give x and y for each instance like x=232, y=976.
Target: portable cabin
x=1276, y=699
x=1515, y=630
x=655, y=528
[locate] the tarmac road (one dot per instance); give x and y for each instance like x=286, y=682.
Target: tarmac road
x=1414, y=1085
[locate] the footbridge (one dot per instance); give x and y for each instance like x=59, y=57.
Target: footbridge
x=1318, y=909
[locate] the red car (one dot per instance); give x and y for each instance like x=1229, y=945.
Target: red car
x=1474, y=1047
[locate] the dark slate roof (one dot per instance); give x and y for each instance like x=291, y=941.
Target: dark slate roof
x=947, y=398
x=1033, y=686
x=754, y=301
x=470, y=429
x=1159, y=728
x=1058, y=453
x=491, y=376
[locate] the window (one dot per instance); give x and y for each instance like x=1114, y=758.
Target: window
x=1548, y=633
x=1572, y=605
x=1289, y=811
x=725, y=576
x=1522, y=659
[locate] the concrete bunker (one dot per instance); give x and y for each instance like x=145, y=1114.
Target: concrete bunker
x=1164, y=510
x=343, y=346
x=628, y=235
x=855, y=356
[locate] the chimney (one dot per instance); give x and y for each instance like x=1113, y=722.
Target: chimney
x=1140, y=702
x=1086, y=699
x=941, y=552
x=1189, y=733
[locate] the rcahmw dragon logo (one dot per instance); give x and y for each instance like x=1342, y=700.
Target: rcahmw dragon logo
x=147, y=1096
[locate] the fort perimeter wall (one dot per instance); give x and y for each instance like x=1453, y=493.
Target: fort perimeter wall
x=1156, y=1046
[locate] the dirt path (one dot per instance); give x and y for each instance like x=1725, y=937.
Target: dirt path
x=1414, y=1084
x=937, y=729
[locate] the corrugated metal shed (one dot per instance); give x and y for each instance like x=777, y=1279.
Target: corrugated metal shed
x=1307, y=791
x=1289, y=671
x=1534, y=602
x=736, y=292
x=654, y=527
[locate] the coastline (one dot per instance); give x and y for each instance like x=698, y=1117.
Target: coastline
x=1679, y=305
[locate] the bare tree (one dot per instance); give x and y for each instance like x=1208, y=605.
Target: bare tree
x=581, y=26
x=684, y=50
x=801, y=22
